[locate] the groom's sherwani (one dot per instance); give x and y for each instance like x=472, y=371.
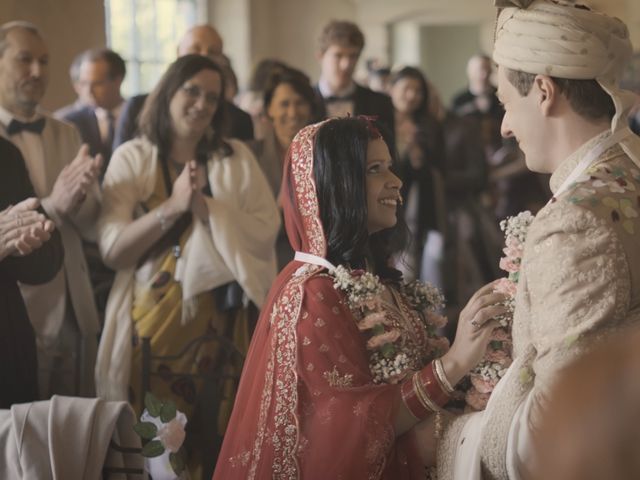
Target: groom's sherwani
x=579, y=283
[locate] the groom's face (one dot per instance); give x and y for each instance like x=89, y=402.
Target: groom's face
x=523, y=120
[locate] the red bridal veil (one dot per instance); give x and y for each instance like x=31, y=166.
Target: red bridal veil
x=307, y=406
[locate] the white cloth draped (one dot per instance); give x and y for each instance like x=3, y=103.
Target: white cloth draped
x=66, y=438
x=237, y=245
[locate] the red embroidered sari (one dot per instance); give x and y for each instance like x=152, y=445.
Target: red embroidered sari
x=307, y=406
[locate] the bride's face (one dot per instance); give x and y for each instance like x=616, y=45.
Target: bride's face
x=383, y=188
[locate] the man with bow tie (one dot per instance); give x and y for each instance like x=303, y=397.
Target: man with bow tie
x=339, y=48
x=63, y=174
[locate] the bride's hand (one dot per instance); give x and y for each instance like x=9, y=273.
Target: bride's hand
x=475, y=325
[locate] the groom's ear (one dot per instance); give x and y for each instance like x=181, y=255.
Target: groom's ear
x=547, y=94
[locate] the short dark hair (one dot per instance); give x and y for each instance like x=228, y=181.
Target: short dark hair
x=262, y=71
x=339, y=169
x=411, y=72
x=340, y=32
x=299, y=81
x=117, y=66
x=587, y=98
x=155, y=119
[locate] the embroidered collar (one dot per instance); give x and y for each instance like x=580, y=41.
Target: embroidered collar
x=572, y=161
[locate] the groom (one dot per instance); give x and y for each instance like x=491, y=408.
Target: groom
x=558, y=69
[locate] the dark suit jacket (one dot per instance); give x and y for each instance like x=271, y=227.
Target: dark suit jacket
x=85, y=120
x=18, y=365
x=239, y=124
x=368, y=102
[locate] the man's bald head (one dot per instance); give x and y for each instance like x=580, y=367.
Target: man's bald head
x=201, y=40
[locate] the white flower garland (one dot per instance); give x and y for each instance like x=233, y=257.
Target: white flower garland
x=364, y=290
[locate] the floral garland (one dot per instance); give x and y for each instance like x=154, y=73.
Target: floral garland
x=485, y=376
x=388, y=364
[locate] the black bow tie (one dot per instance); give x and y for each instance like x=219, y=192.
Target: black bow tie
x=16, y=126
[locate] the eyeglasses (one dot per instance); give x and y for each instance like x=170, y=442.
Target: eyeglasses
x=194, y=92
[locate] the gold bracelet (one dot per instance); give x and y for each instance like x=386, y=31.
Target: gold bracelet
x=441, y=376
x=422, y=395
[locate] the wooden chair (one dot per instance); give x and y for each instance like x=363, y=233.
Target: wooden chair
x=202, y=427
x=122, y=472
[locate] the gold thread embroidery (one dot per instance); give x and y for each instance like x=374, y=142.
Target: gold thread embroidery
x=334, y=379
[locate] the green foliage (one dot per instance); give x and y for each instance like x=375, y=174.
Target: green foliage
x=177, y=461
x=153, y=405
x=146, y=430
x=154, y=448
x=168, y=411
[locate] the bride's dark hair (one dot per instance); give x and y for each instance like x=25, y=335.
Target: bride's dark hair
x=339, y=168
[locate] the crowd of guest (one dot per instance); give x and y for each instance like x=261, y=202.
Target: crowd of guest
x=159, y=215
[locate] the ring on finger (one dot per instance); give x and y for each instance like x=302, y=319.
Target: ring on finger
x=475, y=323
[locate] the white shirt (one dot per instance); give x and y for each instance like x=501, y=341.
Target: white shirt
x=337, y=108
x=102, y=116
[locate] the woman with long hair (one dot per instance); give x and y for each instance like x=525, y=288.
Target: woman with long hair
x=188, y=223
x=344, y=377
x=420, y=143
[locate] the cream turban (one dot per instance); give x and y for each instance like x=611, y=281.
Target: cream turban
x=559, y=39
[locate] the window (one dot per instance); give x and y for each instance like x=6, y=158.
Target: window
x=146, y=33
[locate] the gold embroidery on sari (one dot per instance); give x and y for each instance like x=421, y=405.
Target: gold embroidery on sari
x=334, y=379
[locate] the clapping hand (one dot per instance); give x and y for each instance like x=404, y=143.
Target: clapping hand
x=23, y=229
x=198, y=181
x=186, y=194
x=74, y=181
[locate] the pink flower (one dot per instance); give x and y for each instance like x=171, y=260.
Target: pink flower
x=498, y=356
x=482, y=384
x=514, y=248
x=509, y=265
x=441, y=344
x=371, y=320
x=172, y=435
x=436, y=320
x=382, y=339
x=476, y=400
x=507, y=287
x=371, y=304
x=501, y=335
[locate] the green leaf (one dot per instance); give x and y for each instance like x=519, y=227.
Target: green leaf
x=388, y=350
x=378, y=329
x=177, y=461
x=168, y=412
x=146, y=430
x=153, y=449
x=154, y=406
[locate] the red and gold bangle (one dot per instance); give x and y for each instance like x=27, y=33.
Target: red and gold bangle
x=427, y=378
x=422, y=394
x=412, y=401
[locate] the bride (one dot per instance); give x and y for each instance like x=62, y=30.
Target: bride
x=345, y=377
